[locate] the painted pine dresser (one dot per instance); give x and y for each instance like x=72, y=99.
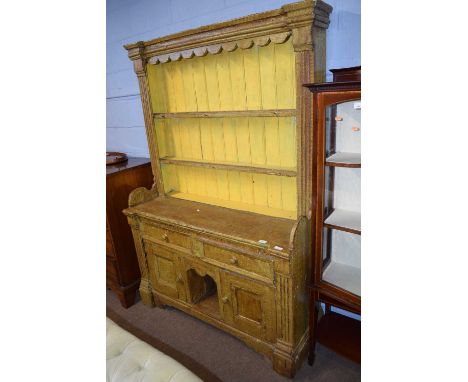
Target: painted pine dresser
x=223, y=234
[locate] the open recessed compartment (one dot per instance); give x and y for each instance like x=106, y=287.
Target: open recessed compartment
x=203, y=293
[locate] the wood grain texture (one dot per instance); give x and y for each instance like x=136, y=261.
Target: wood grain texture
x=254, y=144
x=123, y=273
x=342, y=334
x=229, y=136
x=182, y=242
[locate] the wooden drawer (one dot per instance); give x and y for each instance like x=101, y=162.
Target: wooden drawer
x=239, y=260
x=167, y=236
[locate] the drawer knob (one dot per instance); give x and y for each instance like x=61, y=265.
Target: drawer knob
x=234, y=261
x=225, y=299
x=165, y=237
x=179, y=278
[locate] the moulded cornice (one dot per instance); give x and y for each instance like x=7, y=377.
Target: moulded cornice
x=218, y=48
x=259, y=29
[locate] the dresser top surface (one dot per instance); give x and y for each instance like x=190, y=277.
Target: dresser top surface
x=128, y=164
x=239, y=224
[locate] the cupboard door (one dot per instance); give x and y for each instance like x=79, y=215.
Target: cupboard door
x=164, y=271
x=249, y=306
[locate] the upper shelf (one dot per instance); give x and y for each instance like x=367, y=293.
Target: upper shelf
x=344, y=160
x=344, y=220
x=285, y=171
x=228, y=113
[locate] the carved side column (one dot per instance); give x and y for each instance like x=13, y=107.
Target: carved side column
x=309, y=41
x=146, y=293
x=283, y=354
x=139, y=65
x=292, y=304
x=302, y=42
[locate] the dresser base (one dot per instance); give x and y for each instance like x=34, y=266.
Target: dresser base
x=207, y=261
x=285, y=361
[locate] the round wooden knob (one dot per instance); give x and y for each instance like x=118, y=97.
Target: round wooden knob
x=165, y=237
x=234, y=261
x=225, y=299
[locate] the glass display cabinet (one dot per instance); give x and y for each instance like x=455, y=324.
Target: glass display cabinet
x=336, y=222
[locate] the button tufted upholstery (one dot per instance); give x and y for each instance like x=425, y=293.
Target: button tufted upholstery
x=132, y=360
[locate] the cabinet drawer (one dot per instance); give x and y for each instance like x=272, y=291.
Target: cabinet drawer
x=250, y=264
x=167, y=236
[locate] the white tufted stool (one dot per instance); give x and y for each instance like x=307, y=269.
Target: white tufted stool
x=130, y=360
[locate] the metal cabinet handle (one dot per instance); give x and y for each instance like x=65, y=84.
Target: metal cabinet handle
x=225, y=299
x=165, y=237
x=179, y=278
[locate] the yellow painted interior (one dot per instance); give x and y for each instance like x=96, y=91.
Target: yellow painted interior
x=259, y=78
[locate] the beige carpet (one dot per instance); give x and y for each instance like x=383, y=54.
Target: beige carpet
x=214, y=355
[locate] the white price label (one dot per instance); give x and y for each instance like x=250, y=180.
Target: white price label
x=357, y=105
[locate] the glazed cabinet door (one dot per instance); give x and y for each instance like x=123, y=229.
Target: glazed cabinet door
x=249, y=305
x=164, y=271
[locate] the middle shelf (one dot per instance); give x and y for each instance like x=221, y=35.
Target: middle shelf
x=282, y=171
x=344, y=220
x=344, y=159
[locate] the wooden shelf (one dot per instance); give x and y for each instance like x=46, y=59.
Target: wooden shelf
x=263, y=210
x=343, y=276
x=344, y=220
x=341, y=334
x=285, y=171
x=228, y=113
x=344, y=160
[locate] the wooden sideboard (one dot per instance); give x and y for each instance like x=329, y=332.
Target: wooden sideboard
x=223, y=233
x=122, y=271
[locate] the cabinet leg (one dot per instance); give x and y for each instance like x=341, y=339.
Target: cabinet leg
x=158, y=303
x=145, y=293
x=313, y=321
x=283, y=364
x=127, y=298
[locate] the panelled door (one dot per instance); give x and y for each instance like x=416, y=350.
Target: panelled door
x=249, y=305
x=164, y=270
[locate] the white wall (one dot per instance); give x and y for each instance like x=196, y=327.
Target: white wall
x=133, y=20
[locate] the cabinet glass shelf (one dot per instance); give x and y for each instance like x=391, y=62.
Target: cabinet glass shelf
x=341, y=225
x=344, y=160
x=343, y=276
x=344, y=220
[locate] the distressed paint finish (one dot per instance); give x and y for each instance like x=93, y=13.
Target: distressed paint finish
x=252, y=79
x=228, y=125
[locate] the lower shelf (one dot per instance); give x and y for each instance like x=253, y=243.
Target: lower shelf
x=236, y=205
x=344, y=276
x=340, y=334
